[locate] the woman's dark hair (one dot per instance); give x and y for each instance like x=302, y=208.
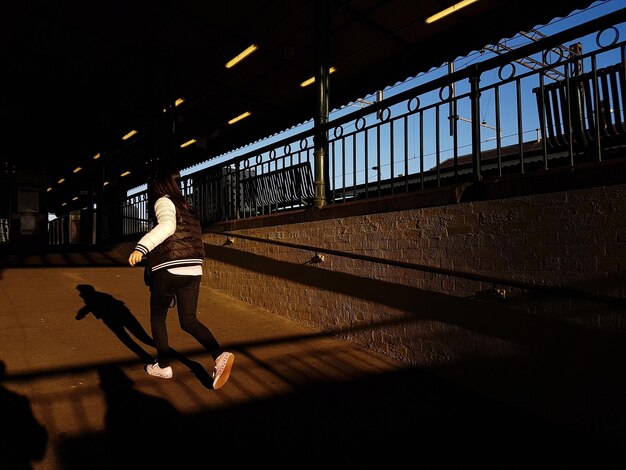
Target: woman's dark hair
x=165, y=182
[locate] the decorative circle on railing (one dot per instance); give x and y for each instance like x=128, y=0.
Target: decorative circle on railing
x=511, y=74
x=229, y=169
x=273, y=154
x=287, y=149
x=259, y=159
x=304, y=144
x=338, y=131
x=413, y=107
x=447, y=88
x=550, y=53
x=359, y=124
x=384, y=114
x=601, y=34
x=246, y=163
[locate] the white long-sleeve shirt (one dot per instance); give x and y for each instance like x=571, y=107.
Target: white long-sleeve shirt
x=165, y=212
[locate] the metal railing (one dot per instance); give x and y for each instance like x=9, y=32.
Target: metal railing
x=456, y=128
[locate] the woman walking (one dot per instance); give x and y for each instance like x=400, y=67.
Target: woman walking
x=175, y=252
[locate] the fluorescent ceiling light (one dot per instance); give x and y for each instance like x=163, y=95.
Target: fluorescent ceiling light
x=75, y=198
x=241, y=56
x=129, y=135
x=48, y=190
x=126, y=173
x=64, y=204
x=449, y=10
x=96, y=156
x=105, y=183
x=77, y=169
x=61, y=180
x=312, y=79
x=179, y=101
x=307, y=82
x=188, y=143
x=240, y=117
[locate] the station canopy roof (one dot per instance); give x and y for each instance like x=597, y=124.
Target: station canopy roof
x=77, y=76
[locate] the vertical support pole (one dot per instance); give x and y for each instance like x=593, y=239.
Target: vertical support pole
x=91, y=215
x=452, y=115
x=97, y=200
x=322, y=34
x=475, y=104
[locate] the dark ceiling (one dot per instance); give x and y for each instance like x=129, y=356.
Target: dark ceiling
x=78, y=75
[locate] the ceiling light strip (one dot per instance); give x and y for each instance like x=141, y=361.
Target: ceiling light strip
x=240, y=117
x=234, y=61
x=312, y=79
x=449, y=10
x=129, y=135
x=188, y=143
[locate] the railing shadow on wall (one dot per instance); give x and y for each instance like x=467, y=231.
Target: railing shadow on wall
x=420, y=139
x=496, y=287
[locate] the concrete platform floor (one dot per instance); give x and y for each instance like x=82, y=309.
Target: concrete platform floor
x=75, y=395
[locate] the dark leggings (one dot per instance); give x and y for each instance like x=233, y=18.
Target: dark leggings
x=186, y=289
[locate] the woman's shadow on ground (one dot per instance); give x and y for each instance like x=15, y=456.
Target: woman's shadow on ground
x=23, y=440
x=118, y=318
x=140, y=431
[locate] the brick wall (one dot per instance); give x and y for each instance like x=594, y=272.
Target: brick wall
x=573, y=239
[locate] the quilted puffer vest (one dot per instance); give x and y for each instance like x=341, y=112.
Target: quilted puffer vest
x=183, y=248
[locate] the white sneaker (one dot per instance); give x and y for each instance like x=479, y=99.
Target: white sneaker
x=223, y=365
x=158, y=371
